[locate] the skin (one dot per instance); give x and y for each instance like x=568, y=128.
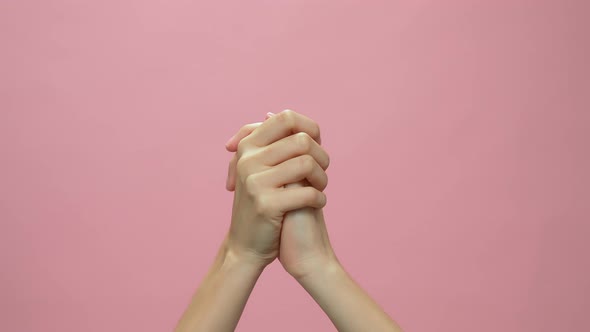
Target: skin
x=278, y=174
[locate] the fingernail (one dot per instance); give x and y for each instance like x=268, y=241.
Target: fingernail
x=269, y=114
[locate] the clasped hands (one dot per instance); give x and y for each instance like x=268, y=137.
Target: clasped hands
x=278, y=175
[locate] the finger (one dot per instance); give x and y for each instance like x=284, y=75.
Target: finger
x=293, y=146
x=232, y=143
x=282, y=125
x=230, y=183
x=293, y=170
x=288, y=199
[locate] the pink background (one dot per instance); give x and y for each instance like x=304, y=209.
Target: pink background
x=458, y=131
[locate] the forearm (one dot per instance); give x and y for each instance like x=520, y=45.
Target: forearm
x=219, y=301
x=347, y=305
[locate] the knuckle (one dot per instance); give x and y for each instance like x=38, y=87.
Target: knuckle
x=242, y=166
x=252, y=185
x=317, y=130
x=242, y=146
x=307, y=163
x=249, y=127
x=308, y=195
x=303, y=141
x=288, y=112
x=314, y=196
x=286, y=117
x=263, y=205
x=252, y=182
x=243, y=129
x=323, y=200
x=324, y=181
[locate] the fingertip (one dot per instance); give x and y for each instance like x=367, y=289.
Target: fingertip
x=231, y=145
x=229, y=141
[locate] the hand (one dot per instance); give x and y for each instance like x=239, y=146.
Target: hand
x=270, y=157
x=304, y=243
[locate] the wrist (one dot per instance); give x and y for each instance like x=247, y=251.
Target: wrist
x=320, y=270
x=232, y=258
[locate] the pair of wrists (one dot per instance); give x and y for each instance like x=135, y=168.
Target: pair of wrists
x=314, y=268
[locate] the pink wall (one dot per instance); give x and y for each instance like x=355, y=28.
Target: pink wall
x=459, y=187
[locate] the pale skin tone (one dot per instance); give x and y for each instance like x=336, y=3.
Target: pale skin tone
x=278, y=175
